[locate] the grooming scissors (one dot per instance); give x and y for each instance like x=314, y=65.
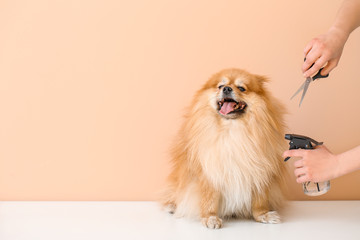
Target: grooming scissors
x=306, y=84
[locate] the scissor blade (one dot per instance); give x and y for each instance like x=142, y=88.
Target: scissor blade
x=306, y=86
x=300, y=88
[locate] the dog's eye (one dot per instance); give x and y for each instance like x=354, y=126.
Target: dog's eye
x=242, y=89
x=220, y=86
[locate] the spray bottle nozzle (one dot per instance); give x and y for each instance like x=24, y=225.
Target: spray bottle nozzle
x=300, y=142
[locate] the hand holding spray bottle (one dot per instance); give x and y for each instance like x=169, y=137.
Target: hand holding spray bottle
x=303, y=142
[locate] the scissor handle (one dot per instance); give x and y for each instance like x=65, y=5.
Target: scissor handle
x=318, y=74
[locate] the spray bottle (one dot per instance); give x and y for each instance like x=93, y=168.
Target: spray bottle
x=303, y=142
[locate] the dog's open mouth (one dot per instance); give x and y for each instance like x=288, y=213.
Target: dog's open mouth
x=229, y=106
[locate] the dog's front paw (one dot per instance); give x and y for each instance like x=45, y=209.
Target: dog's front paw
x=269, y=217
x=170, y=208
x=212, y=222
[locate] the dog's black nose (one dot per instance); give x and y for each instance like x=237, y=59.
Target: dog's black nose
x=227, y=90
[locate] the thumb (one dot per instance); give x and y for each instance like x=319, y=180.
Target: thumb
x=330, y=66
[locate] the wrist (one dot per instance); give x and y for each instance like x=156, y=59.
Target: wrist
x=340, y=33
x=348, y=161
x=339, y=169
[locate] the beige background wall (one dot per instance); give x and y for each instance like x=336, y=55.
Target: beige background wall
x=92, y=92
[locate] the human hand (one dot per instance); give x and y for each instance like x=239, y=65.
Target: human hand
x=324, y=50
x=315, y=165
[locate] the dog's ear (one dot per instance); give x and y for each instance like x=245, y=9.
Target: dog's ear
x=262, y=79
x=259, y=81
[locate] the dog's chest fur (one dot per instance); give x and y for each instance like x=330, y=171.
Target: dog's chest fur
x=235, y=165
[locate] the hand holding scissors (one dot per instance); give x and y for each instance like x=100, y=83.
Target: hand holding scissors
x=306, y=84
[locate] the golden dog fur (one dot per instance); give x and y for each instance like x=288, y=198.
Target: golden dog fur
x=229, y=165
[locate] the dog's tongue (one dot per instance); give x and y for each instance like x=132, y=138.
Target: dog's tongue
x=227, y=107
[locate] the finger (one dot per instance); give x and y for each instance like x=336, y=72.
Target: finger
x=312, y=56
x=330, y=66
x=320, y=62
x=302, y=179
x=299, y=163
x=308, y=47
x=299, y=172
x=294, y=153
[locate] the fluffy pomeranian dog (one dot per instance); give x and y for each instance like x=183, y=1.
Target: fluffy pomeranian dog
x=227, y=156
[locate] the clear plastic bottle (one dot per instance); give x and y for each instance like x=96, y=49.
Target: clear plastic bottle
x=316, y=189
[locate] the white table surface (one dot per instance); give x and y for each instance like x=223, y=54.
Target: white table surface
x=144, y=220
